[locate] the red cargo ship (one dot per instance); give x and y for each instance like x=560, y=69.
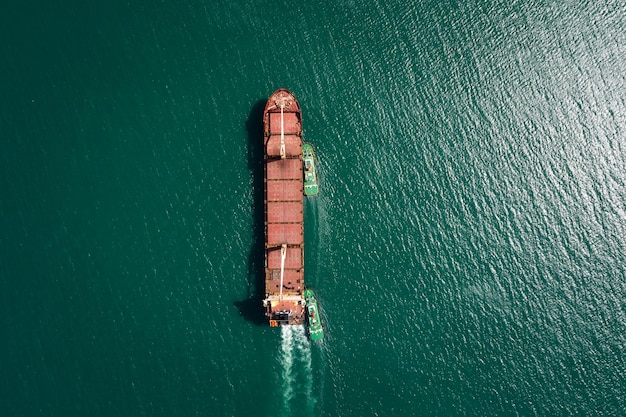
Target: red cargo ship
x=284, y=220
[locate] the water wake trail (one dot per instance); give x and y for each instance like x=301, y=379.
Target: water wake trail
x=286, y=359
x=304, y=349
x=296, y=372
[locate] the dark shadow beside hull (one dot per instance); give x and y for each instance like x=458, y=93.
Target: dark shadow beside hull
x=252, y=307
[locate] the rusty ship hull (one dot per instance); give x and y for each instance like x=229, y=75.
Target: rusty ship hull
x=284, y=219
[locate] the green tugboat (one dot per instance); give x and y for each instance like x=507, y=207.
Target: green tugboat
x=310, y=174
x=316, y=332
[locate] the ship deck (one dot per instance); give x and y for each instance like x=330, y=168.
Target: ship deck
x=284, y=218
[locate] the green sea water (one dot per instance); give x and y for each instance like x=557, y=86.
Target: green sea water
x=468, y=244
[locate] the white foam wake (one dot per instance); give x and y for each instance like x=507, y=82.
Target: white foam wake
x=286, y=359
x=296, y=372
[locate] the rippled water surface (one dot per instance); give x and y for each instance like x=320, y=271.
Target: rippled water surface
x=467, y=246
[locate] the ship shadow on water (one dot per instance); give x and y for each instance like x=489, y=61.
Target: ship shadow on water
x=252, y=307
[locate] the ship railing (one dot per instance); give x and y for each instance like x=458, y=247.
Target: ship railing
x=284, y=297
